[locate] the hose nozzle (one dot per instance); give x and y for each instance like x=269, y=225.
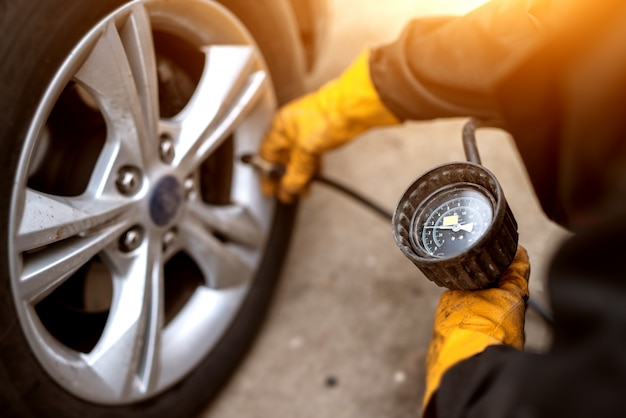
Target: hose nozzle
x=268, y=169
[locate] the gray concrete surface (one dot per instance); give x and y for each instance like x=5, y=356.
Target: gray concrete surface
x=349, y=329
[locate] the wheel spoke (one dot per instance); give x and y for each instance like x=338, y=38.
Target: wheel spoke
x=121, y=94
x=136, y=36
x=44, y=270
x=49, y=219
x=127, y=353
x=228, y=89
x=233, y=222
x=148, y=367
x=222, y=265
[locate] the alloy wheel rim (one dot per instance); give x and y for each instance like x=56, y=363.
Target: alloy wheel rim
x=142, y=205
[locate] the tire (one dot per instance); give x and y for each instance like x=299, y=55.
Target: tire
x=137, y=260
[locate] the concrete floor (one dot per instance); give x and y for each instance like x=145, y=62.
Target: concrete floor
x=349, y=329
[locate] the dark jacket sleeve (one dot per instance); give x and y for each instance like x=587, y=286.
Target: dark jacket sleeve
x=448, y=66
x=552, y=71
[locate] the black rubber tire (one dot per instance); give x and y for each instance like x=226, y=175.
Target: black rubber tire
x=36, y=37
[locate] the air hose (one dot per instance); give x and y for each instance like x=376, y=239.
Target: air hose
x=276, y=171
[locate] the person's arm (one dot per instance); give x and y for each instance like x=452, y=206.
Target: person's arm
x=438, y=68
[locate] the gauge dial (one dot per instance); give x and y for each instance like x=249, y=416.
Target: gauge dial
x=454, y=224
x=452, y=220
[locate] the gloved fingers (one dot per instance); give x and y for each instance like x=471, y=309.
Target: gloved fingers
x=269, y=185
x=276, y=148
x=278, y=141
x=515, y=278
x=286, y=197
x=302, y=166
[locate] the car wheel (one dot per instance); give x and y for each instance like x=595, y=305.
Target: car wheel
x=138, y=253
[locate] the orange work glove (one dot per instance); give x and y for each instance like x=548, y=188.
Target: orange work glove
x=323, y=120
x=467, y=321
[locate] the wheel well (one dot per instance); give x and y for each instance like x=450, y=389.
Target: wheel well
x=311, y=19
x=276, y=32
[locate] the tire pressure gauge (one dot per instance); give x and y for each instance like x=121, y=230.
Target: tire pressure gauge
x=455, y=225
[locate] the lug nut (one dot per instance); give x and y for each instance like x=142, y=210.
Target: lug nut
x=166, y=149
x=128, y=180
x=169, y=238
x=190, y=192
x=131, y=239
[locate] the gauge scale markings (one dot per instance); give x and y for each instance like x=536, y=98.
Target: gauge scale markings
x=452, y=221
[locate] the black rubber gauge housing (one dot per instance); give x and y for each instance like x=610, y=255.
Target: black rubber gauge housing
x=455, y=225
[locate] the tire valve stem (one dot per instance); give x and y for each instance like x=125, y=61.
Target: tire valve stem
x=268, y=169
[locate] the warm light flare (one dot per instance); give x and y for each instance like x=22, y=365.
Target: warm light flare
x=435, y=7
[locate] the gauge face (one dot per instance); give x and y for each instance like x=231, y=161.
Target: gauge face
x=452, y=220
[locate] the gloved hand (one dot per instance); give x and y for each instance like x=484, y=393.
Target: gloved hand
x=467, y=321
x=323, y=120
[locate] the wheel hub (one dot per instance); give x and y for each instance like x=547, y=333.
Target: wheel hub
x=165, y=201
